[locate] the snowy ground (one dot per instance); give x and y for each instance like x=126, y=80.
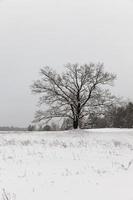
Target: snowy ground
x=71, y=165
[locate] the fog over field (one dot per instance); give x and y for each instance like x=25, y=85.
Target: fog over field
x=37, y=33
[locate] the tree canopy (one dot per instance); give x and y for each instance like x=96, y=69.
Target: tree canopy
x=81, y=89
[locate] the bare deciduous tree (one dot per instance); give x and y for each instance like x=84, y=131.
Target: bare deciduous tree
x=73, y=93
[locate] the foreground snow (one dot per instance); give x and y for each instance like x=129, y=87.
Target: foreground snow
x=83, y=164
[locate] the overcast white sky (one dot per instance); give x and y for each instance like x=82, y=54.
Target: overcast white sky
x=34, y=33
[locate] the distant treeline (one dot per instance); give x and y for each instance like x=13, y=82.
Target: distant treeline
x=114, y=117
x=7, y=128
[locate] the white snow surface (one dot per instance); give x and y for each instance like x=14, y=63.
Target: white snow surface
x=71, y=165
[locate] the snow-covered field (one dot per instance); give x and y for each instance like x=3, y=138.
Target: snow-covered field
x=71, y=165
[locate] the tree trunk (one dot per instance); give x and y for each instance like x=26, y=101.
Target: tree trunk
x=76, y=118
x=75, y=123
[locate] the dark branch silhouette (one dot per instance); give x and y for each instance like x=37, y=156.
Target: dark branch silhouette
x=73, y=93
